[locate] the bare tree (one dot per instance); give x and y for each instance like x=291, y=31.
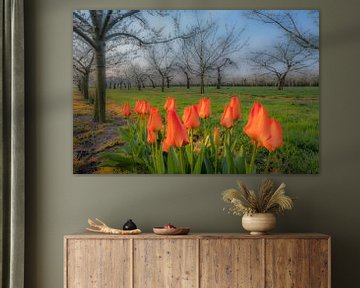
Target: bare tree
x=220, y=66
x=127, y=78
x=183, y=62
x=115, y=61
x=151, y=78
x=183, y=68
x=138, y=75
x=208, y=47
x=286, y=21
x=98, y=28
x=161, y=60
x=283, y=59
x=83, y=60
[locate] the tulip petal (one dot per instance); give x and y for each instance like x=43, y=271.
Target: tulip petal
x=170, y=104
x=191, y=117
x=155, y=120
x=276, y=136
x=176, y=134
x=227, y=119
x=235, y=105
x=258, y=125
x=204, y=108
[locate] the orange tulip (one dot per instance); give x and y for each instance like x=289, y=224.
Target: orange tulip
x=151, y=136
x=170, y=104
x=125, y=110
x=142, y=107
x=154, y=124
x=176, y=134
x=235, y=105
x=227, y=119
x=276, y=136
x=155, y=121
x=258, y=125
x=146, y=107
x=204, y=108
x=217, y=138
x=137, y=107
x=191, y=117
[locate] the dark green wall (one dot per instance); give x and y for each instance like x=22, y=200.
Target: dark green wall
x=59, y=202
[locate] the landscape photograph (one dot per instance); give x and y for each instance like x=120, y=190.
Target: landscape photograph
x=196, y=92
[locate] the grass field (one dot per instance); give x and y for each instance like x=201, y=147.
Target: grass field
x=296, y=108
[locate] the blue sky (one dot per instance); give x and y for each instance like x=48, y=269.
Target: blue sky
x=259, y=35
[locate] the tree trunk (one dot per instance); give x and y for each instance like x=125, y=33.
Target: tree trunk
x=86, y=86
x=79, y=85
x=162, y=83
x=218, y=84
x=202, y=84
x=100, y=100
x=281, y=83
x=187, y=80
x=168, y=82
x=152, y=82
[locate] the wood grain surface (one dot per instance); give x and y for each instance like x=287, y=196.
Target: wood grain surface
x=165, y=263
x=287, y=263
x=197, y=261
x=98, y=263
x=231, y=263
x=319, y=263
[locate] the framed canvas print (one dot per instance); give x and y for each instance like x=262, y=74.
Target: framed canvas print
x=196, y=92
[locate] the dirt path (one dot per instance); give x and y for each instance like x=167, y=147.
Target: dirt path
x=90, y=139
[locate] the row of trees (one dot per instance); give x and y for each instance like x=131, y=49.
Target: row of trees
x=122, y=82
x=125, y=47
x=162, y=69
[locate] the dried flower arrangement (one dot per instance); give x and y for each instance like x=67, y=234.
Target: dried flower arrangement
x=267, y=200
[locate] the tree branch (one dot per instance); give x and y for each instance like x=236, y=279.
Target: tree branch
x=82, y=19
x=298, y=36
x=105, y=24
x=141, y=41
x=120, y=18
x=83, y=35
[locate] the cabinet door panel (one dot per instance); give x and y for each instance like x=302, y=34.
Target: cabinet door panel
x=287, y=263
x=98, y=264
x=319, y=263
x=231, y=263
x=166, y=263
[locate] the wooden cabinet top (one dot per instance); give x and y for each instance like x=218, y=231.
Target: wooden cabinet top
x=199, y=236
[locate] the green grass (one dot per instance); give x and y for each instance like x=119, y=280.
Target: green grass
x=296, y=108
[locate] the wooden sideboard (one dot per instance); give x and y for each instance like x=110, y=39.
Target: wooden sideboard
x=197, y=260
